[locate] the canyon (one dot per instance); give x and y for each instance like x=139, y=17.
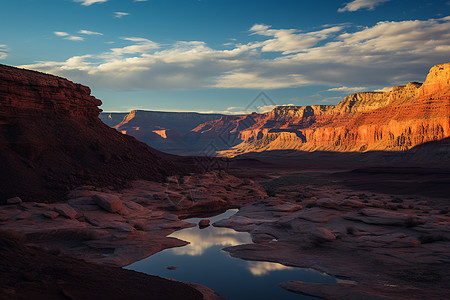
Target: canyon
x=395, y=120
x=357, y=190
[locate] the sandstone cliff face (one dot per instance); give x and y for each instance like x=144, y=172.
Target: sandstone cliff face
x=438, y=79
x=396, y=120
x=51, y=140
x=35, y=93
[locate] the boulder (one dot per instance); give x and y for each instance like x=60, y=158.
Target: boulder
x=108, y=202
x=322, y=234
x=287, y=207
x=133, y=206
x=327, y=203
x=171, y=217
x=203, y=223
x=378, y=216
x=15, y=200
x=50, y=214
x=65, y=210
x=311, y=232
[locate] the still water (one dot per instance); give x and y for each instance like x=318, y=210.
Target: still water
x=203, y=261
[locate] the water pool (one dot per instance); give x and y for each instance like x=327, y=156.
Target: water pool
x=203, y=261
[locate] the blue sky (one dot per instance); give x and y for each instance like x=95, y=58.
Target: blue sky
x=218, y=55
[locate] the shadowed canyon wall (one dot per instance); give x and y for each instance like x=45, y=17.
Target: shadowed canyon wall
x=51, y=140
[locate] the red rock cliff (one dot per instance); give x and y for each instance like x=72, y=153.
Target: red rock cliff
x=51, y=140
x=37, y=93
x=396, y=120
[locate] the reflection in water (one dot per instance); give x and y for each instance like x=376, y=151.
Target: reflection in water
x=261, y=268
x=204, y=262
x=201, y=240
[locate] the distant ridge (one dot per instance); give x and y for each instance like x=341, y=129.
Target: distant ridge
x=396, y=120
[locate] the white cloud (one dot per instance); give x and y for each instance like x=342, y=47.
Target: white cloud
x=142, y=46
x=383, y=90
x=60, y=33
x=75, y=38
x=3, y=51
x=386, y=54
x=361, y=4
x=346, y=89
x=90, y=2
x=119, y=14
x=289, y=40
x=265, y=108
x=88, y=32
x=67, y=36
x=140, y=0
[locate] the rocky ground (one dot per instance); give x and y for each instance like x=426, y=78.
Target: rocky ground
x=118, y=228
x=384, y=246
x=53, y=275
x=379, y=245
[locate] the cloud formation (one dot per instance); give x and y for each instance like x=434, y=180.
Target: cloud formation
x=67, y=36
x=290, y=40
x=3, y=51
x=361, y=4
x=90, y=2
x=119, y=14
x=88, y=32
x=346, y=89
x=60, y=33
x=347, y=57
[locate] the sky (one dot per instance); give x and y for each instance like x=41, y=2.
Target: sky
x=222, y=55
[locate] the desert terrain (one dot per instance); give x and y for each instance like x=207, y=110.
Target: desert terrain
x=358, y=191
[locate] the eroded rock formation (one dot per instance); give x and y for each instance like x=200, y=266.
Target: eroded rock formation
x=396, y=120
x=51, y=140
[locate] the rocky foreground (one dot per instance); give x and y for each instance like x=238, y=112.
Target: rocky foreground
x=53, y=275
x=119, y=228
x=381, y=246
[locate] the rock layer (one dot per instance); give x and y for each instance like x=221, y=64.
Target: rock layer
x=51, y=140
x=396, y=120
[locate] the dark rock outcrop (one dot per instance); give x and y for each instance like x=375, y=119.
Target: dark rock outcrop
x=51, y=140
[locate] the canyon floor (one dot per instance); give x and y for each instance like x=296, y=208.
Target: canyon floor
x=384, y=231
